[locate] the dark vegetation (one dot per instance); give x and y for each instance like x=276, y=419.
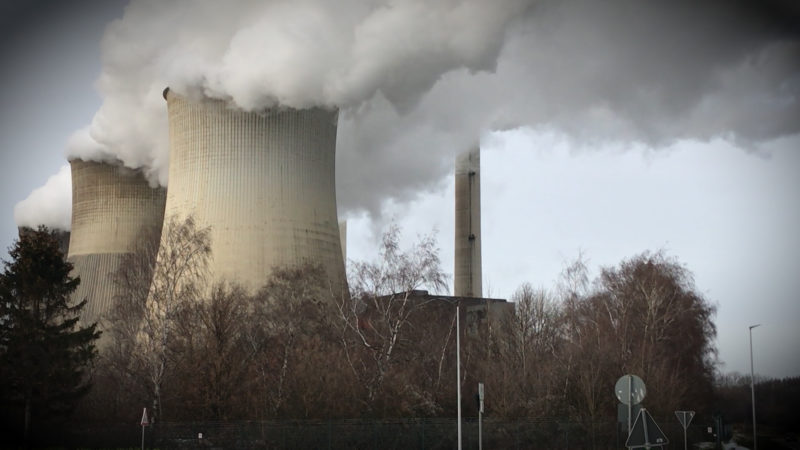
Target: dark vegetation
x=297, y=350
x=45, y=356
x=776, y=401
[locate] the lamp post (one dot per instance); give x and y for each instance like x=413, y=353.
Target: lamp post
x=753, y=387
x=458, y=370
x=457, y=304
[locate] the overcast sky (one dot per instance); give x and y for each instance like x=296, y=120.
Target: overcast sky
x=605, y=130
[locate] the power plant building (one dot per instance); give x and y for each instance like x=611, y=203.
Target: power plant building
x=112, y=206
x=262, y=181
x=467, y=258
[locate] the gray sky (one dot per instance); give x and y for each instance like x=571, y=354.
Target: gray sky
x=628, y=127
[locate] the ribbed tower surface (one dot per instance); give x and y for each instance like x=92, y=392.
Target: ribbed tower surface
x=264, y=183
x=111, y=207
x=467, y=258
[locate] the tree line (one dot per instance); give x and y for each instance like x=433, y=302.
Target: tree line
x=296, y=349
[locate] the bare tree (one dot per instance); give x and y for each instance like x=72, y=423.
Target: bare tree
x=212, y=357
x=178, y=281
x=382, y=303
x=661, y=327
x=119, y=376
x=292, y=312
x=645, y=317
x=528, y=349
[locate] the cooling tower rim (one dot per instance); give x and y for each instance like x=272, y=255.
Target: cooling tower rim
x=231, y=105
x=115, y=164
x=110, y=161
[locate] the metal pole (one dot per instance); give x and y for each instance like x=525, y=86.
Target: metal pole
x=630, y=400
x=143, y=437
x=458, y=371
x=644, y=424
x=753, y=387
x=480, y=437
x=480, y=416
x=685, y=444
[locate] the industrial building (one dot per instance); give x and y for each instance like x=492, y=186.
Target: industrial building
x=264, y=182
x=479, y=316
x=112, y=206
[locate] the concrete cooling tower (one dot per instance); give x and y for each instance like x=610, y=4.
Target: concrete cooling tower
x=263, y=182
x=111, y=207
x=467, y=260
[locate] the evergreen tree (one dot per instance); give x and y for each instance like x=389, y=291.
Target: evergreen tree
x=44, y=353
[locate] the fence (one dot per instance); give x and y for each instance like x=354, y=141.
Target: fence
x=379, y=434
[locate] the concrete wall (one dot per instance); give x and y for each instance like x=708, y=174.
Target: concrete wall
x=263, y=182
x=111, y=207
x=467, y=260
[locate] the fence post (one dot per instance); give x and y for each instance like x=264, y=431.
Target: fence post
x=423, y=433
x=330, y=434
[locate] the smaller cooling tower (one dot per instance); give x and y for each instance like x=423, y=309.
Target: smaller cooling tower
x=61, y=236
x=262, y=181
x=343, y=239
x=112, y=206
x=467, y=263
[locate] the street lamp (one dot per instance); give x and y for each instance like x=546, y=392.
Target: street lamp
x=753, y=387
x=457, y=304
x=458, y=369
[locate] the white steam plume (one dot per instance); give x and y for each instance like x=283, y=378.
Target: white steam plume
x=417, y=80
x=294, y=53
x=49, y=205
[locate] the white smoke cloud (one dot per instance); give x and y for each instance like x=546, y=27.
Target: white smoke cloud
x=295, y=53
x=49, y=205
x=418, y=80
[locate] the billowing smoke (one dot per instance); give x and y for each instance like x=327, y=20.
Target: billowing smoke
x=417, y=80
x=49, y=205
x=296, y=53
x=638, y=72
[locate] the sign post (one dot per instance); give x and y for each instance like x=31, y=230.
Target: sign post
x=646, y=432
x=685, y=418
x=145, y=422
x=630, y=390
x=480, y=415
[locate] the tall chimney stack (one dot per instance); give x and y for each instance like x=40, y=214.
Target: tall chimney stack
x=467, y=270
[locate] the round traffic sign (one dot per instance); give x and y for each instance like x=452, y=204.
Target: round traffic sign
x=630, y=389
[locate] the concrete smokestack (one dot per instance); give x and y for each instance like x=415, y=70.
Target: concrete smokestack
x=263, y=182
x=467, y=270
x=111, y=207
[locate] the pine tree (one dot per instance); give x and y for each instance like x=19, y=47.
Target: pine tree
x=45, y=355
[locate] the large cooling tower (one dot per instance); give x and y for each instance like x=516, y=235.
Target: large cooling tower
x=112, y=207
x=467, y=263
x=263, y=182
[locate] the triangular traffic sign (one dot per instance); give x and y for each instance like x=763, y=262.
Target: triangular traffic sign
x=645, y=432
x=685, y=418
x=145, y=422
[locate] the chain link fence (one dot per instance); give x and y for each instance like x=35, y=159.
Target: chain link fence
x=377, y=434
